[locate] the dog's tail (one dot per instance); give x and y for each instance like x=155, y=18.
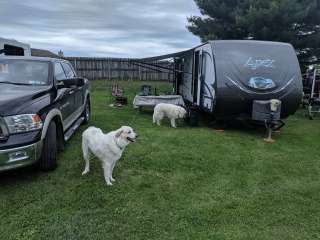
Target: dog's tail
x=86, y=155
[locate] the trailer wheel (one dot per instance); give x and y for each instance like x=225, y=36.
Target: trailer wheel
x=48, y=160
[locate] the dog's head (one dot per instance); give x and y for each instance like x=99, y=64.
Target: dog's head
x=182, y=113
x=126, y=134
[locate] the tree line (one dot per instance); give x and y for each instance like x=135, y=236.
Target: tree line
x=293, y=21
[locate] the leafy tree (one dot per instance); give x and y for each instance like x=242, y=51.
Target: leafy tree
x=293, y=21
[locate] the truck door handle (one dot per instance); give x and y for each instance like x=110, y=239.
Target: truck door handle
x=71, y=92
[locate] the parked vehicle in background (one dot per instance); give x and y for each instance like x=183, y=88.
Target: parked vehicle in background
x=42, y=103
x=10, y=47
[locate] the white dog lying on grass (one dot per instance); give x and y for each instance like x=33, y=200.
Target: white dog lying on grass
x=170, y=111
x=107, y=147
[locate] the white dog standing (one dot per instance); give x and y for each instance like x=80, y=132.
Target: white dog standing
x=170, y=111
x=107, y=147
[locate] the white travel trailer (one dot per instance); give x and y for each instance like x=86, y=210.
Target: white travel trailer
x=10, y=47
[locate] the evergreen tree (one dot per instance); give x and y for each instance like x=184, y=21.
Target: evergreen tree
x=293, y=21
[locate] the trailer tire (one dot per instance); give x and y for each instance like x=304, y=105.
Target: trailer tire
x=48, y=160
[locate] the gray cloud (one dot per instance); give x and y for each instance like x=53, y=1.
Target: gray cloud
x=136, y=28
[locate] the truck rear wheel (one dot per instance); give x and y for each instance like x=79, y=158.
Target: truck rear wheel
x=48, y=160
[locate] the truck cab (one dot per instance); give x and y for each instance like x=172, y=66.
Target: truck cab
x=42, y=103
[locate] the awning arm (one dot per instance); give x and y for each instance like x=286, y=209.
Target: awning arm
x=159, y=66
x=147, y=67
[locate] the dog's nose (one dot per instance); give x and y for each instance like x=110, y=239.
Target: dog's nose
x=137, y=135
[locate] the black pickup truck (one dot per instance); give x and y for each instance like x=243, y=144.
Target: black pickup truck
x=42, y=103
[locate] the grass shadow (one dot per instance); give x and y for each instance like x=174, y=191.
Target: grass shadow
x=22, y=175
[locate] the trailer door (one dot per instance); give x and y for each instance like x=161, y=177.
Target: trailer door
x=207, y=79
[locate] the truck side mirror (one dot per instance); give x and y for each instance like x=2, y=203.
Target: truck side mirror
x=70, y=82
x=60, y=85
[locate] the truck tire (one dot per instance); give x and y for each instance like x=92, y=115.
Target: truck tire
x=48, y=160
x=86, y=112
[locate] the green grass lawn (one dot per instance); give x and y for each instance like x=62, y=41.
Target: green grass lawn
x=185, y=183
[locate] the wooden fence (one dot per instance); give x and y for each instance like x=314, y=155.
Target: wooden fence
x=120, y=69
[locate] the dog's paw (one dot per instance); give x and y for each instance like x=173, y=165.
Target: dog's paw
x=109, y=183
x=85, y=172
x=112, y=179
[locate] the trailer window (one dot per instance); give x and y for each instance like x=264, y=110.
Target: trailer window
x=10, y=50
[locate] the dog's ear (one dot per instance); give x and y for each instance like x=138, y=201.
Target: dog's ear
x=119, y=132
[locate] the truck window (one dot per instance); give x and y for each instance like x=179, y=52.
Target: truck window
x=26, y=72
x=68, y=70
x=59, y=72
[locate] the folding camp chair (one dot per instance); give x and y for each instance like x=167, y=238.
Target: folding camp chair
x=116, y=91
x=117, y=94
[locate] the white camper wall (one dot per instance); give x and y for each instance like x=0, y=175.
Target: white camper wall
x=27, y=51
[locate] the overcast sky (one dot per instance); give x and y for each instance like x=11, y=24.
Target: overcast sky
x=116, y=28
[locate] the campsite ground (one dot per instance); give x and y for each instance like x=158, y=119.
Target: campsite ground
x=185, y=183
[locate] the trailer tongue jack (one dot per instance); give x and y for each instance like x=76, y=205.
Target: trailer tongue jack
x=268, y=112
